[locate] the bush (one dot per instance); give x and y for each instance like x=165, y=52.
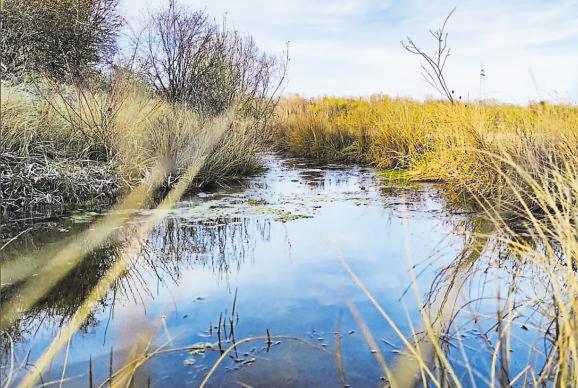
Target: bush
x=197, y=85
x=189, y=59
x=81, y=141
x=55, y=37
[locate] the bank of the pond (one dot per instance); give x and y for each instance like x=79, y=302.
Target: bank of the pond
x=36, y=185
x=496, y=153
x=65, y=146
x=33, y=184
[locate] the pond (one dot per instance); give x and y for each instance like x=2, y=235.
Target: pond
x=269, y=259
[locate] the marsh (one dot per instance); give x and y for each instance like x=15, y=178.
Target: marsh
x=264, y=257
x=188, y=201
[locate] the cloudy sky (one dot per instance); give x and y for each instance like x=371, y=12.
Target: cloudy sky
x=528, y=48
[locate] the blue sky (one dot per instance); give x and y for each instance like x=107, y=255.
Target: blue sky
x=529, y=48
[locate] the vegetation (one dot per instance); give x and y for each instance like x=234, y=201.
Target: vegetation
x=72, y=133
x=433, y=66
x=195, y=104
x=463, y=145
x=57, y=37
x=517, y=165
x=189, y=59
x=533, y=266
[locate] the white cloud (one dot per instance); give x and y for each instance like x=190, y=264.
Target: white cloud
x=351, y=47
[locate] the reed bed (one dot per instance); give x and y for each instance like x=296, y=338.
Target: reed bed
x=526, y=266
x=518, y=166
x=460, y=144
x=71, y=144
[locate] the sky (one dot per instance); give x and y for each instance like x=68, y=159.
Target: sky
x=528, y=48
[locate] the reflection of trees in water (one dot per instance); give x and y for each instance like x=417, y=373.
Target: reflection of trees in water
x=222, y=245
x=57, y=306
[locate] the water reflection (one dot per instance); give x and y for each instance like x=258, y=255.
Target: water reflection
x=501, y=315
x=221, y=245
x=262, y=258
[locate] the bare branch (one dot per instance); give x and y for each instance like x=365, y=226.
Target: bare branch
x=433, y=68
x=190, y=59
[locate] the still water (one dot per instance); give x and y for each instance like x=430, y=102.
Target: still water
x=265, y=256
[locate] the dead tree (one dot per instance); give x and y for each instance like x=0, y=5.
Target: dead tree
x=433, y=68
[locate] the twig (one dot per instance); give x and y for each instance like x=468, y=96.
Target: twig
x=14, y=238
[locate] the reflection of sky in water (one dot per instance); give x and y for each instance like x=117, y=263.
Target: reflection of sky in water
x=287, y=276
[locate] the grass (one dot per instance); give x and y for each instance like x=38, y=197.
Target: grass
x=66, y=145
x=434, y=141
x=71, y=253
x=518, y=165
x=69, y=144
x=539, y=260
x=532, y=265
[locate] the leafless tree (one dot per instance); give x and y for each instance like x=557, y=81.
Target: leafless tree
x=433, y=67
x=189, y=58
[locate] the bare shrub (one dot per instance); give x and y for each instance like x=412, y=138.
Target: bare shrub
x=190, y=59
x=433, y=68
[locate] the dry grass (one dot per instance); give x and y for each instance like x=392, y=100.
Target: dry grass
x=509, y=160
x=528, y=270
x=535, y=262
x=519, y=166
x=55, y=138
x=72, y=254
x=437, y=141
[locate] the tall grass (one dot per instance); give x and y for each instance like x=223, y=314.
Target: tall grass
x=216, y=129
x=517, y=164
x=67, y=144
x=519, y=167
x=434, y=140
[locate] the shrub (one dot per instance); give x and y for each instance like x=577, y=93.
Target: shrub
x=56, y=37
x=189, y=59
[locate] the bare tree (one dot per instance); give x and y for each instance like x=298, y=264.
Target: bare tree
x=190, y=59
x=433, y=68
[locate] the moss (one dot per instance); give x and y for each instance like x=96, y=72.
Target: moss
x=396, y=175
x=281, y=215
x=255, y=202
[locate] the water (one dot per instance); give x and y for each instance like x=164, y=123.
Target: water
x=261, y=256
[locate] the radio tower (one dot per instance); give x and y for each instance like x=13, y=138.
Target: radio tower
x=482, y=83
